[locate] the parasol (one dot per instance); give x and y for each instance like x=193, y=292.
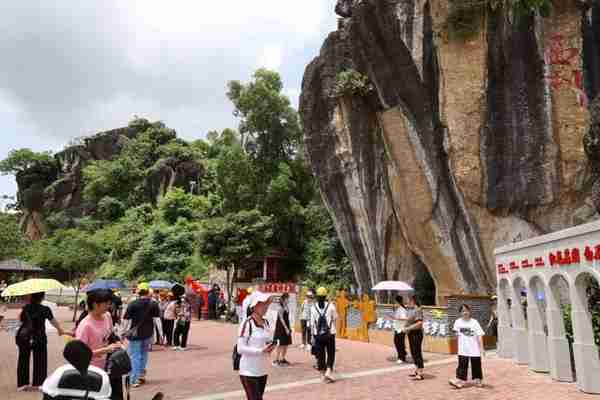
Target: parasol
x=105, y=284
x=397, y=286
x=31, y=286
x=160, y=285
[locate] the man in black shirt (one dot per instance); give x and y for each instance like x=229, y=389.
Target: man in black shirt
x=141, y=314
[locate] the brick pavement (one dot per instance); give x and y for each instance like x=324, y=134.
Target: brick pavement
x=205, y=370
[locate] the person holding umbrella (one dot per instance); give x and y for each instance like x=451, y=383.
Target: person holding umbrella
x=31, y=339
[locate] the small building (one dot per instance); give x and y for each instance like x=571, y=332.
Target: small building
x=22, y=269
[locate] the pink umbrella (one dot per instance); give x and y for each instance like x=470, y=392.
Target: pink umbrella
x=397, y=286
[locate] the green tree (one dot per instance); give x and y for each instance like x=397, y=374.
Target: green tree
x=165, y=253
x=12, y=241
x=269, y=125
x=23, y=159
x=235, y=240
x=69, y=255
x=178, y=204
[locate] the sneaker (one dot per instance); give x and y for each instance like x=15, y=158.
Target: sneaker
x=284, y=363
x=136, y=385
x=478, y=383
x=329, y=375
x=301, y=347
x=456, y=383
x=182, y=348
x=175, y=348
x=401, y=362
x=22, y=388
x=275, y=363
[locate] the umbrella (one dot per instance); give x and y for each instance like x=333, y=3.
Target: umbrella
x=394, y=285
x=160, y=285
x=105, y=284
x=31, y=286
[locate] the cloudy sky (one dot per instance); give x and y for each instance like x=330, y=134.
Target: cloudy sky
x=72, y=68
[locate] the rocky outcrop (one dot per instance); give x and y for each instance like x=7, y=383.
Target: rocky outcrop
x=462, y=146
x=47, y=189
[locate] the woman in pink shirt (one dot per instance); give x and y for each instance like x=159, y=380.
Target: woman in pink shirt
x=96, y=329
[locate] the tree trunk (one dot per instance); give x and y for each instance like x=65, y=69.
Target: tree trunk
x=76, y=305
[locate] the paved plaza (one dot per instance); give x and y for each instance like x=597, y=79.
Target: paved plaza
x=204, y=372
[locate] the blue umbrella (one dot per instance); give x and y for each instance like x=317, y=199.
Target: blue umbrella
x=106, y=284
x=160, y=285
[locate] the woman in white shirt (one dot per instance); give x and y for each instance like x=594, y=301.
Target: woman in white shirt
x=255, y=346
x=399, y=319
x=470, y=348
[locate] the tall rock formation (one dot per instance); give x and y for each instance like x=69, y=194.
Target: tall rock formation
x=462, y=145
x=46, y=189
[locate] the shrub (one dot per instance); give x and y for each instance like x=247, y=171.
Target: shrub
x=352, y=82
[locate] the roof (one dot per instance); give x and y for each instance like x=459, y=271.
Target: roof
x=18, y=266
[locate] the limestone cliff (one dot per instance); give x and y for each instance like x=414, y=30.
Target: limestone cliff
x=462, y=145
x=46, y=189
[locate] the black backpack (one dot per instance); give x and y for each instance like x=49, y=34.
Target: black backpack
x=323, y=328
x=118, y=363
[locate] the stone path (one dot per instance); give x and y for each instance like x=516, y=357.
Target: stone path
x=204, y=373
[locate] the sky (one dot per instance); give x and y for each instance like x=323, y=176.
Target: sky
x=73, y=68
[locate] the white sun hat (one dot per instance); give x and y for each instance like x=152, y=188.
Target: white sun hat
x=259, y=297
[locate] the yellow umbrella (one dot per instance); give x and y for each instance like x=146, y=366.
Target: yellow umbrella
x=31, y=286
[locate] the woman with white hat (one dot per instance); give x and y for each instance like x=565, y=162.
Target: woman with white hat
x=255, y=346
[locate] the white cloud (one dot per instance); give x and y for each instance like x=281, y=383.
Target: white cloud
x=72, y=67
x=271, y=57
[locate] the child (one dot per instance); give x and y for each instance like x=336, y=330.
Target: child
x=470, y=349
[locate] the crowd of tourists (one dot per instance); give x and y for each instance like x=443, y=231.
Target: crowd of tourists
x=163, y=318
x=150, y=317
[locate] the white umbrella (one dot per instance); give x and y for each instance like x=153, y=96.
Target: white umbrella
x=398, y=286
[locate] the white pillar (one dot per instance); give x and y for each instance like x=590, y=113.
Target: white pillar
x=558, y=345
x=585, y=350
x=519, y=331
x=505, y=339
x=538, y=344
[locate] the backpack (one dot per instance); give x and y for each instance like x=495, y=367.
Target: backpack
x=323, y=328
x=118, y=363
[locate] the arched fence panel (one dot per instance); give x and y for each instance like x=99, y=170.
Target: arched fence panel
x=548, y=300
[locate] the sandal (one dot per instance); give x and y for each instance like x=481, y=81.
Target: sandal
x=455, y=384
x=418, y=377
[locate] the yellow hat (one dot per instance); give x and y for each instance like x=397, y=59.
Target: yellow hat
x=250, y=290
x=321, y=291
x=143, y=286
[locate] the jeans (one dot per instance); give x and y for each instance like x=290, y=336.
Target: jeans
x=254, y=386
x=40, y=364
x=400, y=345
x=138, y=352
x=181, y=334
x=463, y=368
x=415, y=340
x=168, y=331
x=325, y=352
x=306, y=334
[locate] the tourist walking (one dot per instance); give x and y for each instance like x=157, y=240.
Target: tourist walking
x=213, y=299
x=31, y=339
x=323, y=318
x=305, y=319
x=162, y=307
x=470, y=349
x=140, y=314
x=399, y=318
x=255, y=346
x=492, y=326
x=183, y=312
x=96, y=330
x=283, y=332
x=414, y=331
x=169, y=320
